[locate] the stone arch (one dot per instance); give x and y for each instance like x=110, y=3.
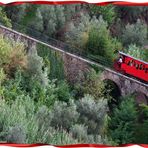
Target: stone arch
x=141, y=97
x=114, y=92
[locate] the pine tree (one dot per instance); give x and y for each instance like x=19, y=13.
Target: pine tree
x=121, y=126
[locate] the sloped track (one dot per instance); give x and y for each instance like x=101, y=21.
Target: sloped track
x=88, y=61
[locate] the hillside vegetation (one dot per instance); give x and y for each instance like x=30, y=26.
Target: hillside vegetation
x=38, y=105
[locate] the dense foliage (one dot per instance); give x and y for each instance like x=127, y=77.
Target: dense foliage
x=38, y=105
x=97, y=31
x=33, y=103
x=4, y=19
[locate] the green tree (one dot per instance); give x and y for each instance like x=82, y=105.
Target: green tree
x=141, y=134
x=135, y=34
x=15, y=13
x=129, y=14
x=122, y=123
x=145, y=57
x=108, y=12
x=20, y=122
x=135, y=51
x=91, y=36
x=100, y=41
x=64, y=115
x=35, y=68
x=92, y=113
x=90, y=84
x=49, y=18
x=4, y=20
x=12, y=56
x=77, y=34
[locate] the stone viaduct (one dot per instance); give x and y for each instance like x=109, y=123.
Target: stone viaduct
x=73, y=64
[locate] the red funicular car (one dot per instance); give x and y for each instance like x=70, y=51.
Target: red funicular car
x=127, y=64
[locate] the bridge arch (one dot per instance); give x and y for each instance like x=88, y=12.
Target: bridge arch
x=113, y=90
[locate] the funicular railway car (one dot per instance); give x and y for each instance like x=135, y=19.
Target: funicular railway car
x=134, y=67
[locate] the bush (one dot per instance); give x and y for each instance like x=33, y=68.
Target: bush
x=61, y=138
x=35, y=68
x=12, y=56
x=92, y=36
x=77, y=33
x=18, y=137
x=122, y=124
x=19, y=123
x=41, y=95
x=51, y=58
x=108, y=12
x=12, y=88
x=79, y=132
x=135, y=34
x=145, y=55
x=14, y=119
x=140, y=131
x=136, y=52
x=63, y=91
x=100, y=41
x=91, y=84
x=64, y=115
x=2, y=76
x=4, y=19
x=92, y=114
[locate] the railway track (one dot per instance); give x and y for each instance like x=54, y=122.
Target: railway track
x=75, y=55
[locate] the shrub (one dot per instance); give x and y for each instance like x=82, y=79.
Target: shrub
x=19, y=123
x=136, y=52
x=77, y=33
x=135, y=34
x=53, y=61
x=35, y=68
x=44, y=117
x=5, y=51
x=140, y=131
x=61, y=138
x=12, y=56
x=98, y=36
x=92, y=36
x=15, y=119
x=92, y=114
x=145, y=55
x=4, y=19
x=91, y=84
x=79, y=132
x=63, y=91
x=18, y=137
x=2, y=76
x=122, y=124
x=100, y=41
x=107, y=12
x=64, y=115
x=42, y=95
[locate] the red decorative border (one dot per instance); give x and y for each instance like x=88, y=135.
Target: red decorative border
x=73, y=145
x=74, y=2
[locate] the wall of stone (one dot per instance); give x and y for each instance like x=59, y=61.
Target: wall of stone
x=73, y=68
x=127, y=86
x=18, y=37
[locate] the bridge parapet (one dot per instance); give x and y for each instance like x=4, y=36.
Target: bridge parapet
x=126, y=85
